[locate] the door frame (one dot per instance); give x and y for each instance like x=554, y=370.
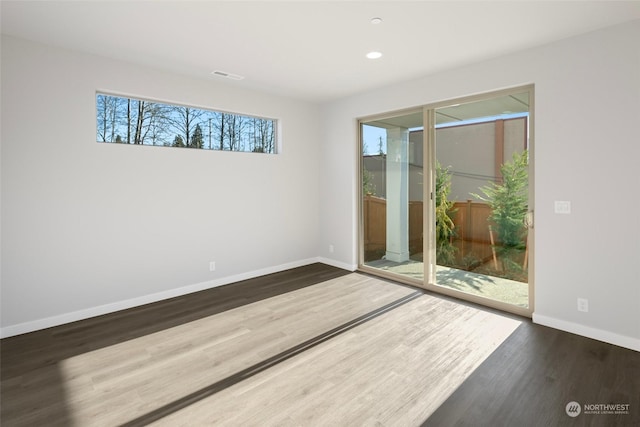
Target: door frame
x=429, y=162
x=429, y=224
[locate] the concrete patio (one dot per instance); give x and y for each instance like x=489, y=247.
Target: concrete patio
x=496, y=288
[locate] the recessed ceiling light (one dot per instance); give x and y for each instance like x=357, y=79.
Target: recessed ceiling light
x=374, y=55
x=376, y=21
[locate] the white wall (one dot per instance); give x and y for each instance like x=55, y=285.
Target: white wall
x=587, y=107
x=89, y=228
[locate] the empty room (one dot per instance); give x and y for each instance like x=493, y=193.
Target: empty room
x=320, y=213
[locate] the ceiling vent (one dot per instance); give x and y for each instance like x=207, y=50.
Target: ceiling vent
x=219, y=73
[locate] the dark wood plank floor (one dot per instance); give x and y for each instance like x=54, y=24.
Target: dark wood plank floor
x=525, y=381
x=24, y=353
x=42, y=352
x=536, y=372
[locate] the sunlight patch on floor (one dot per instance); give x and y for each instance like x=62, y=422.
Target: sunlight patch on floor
x=140, y=375
x=394, y=370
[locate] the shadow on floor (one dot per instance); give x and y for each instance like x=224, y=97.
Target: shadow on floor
x=32, y=386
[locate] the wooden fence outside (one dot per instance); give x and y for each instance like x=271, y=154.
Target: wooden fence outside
x=471, y=226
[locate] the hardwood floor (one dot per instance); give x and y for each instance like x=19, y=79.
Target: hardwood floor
x=311, y=346
x=536, y=372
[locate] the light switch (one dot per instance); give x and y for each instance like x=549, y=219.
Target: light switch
x=562, y=207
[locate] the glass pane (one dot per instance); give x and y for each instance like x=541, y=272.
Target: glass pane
x=482, y=198
x=392, y=176
x=140, y=122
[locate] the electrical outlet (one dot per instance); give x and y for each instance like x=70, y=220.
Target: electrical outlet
x=212, y=266
x=330, y=248
x=583, y=305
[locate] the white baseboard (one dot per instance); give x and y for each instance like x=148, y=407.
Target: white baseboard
x=35, y=325
x=338, y=264
x=586, y=331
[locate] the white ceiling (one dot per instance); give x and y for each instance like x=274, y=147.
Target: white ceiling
x=313, y=50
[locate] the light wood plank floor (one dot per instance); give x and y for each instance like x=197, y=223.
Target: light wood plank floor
x=200, y=360
x=394, y=370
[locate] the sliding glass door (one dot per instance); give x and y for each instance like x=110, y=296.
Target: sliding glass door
x=392, y=195
x=446, y=198
x=482, y=199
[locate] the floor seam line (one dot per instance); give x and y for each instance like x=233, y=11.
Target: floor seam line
x=261, y=366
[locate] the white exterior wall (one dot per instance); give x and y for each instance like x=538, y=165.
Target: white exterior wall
x=515, y=137
x=467, y=150
x=470, y=153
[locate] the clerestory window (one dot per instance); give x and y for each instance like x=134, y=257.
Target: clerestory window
x=136, y=121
